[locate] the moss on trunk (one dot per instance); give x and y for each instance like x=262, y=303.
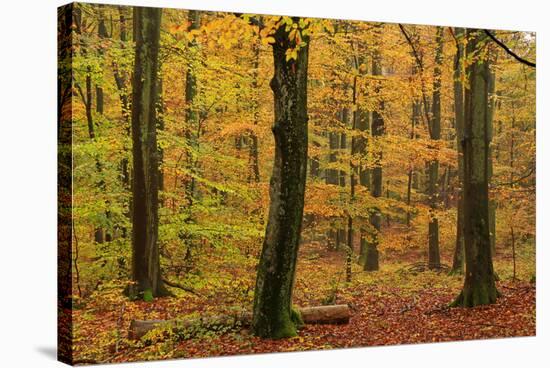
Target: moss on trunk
x=273, y=316
x=479, y=282
x=145, y=251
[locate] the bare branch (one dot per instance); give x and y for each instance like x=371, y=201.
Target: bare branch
x=510, y=52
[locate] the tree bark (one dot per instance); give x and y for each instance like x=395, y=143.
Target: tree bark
x=479, y=282
x=191, y=115
x=492, y=202
x=458, y=258
x=371, y=255
x=273, y=316
x=66, y=19
x=433, y=168
x=254, y=174
x=146, y=271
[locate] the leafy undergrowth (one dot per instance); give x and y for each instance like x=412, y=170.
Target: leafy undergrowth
x=391, y=306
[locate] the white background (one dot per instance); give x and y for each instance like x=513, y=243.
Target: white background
x=28, y=181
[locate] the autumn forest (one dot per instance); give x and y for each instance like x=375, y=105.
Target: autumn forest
x=240, y=183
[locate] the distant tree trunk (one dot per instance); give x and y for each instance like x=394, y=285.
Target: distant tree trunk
x=331, y=177
x=371, y=256
x=352, y=179
x=145, y=251
x=513, y=235
x=273, y=316
x=363, y=124
x=458, y=258
x=416, y=115
x=479, y=282
x=191, y=115
x=121, y=81
x=102, y=34
x=254, y=175
x=341, y=235
x=160, y=127
x=101, y=234
x=492, y=202
x=433, y=170
x=314, y=164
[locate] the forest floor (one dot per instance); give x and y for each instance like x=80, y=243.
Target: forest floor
x=391, y=306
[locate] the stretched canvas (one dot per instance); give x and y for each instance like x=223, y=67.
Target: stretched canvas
x=241, y=183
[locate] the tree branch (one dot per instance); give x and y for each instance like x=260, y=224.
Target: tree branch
x=179, y=286
x=508, y=51
x=421, y=70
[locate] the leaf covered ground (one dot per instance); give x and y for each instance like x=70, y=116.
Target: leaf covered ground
x=391, y=306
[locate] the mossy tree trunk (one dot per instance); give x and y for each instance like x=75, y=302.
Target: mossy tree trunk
x=145, y=252
x=273, y=316
x=458, y=258
x=433, y=167
x=479, y=282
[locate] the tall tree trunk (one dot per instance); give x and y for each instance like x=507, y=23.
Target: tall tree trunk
x=341, y=234
x=67, y=18
x=121, y=81
x=371, y=256
x=254, y=165
x=331, y=177
x=361, y=120
x=433, y=170
x=363, y=124
x=273, y=316
x=411, y=177
x=146, y=270
x=458, y=258
x=191, y=114
x=102, y=234
x=492, y=202
x=352, y=178
x=160, y=127
x=102, y=34
x=479, y=282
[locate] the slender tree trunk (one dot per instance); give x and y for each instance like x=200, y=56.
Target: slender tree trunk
x=479, y=282
x=363, y=125
x=102, y=34
x=273, y=316
x=371, y=256
x=458, y=258
x=433, y=170
x=331, y=177
x=160, y=127
x=146, y=272
x=121, y=79
x=352, y=179
x=341, y=235
x=513, y=252
x=254, y=175
x=492, y=202
x=191, y=115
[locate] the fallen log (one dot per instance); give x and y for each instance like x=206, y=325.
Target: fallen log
x=326, y=314
x=329, y=314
